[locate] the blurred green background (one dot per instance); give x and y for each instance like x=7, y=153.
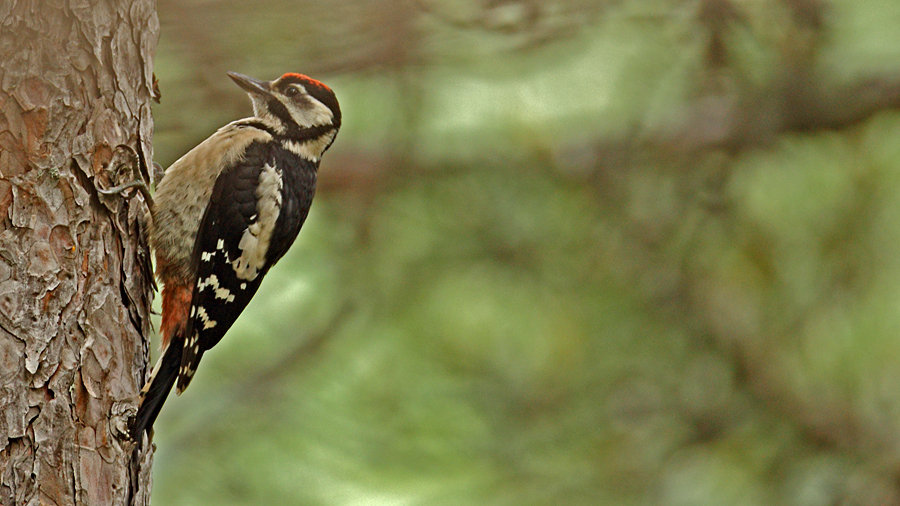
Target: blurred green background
x=574, y=252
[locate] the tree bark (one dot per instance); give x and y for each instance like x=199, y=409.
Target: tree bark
x=75, y=276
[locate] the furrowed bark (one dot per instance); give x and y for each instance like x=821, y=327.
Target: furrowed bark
x=75, y=276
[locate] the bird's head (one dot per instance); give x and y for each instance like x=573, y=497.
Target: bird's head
x=296, y=106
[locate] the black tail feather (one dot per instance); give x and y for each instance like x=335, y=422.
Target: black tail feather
x=161, y=382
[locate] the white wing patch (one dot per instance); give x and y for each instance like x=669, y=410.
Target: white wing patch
x=212, y=281
x=221, y=292
x=255, y=241
x=207, y=323
x=224, y=294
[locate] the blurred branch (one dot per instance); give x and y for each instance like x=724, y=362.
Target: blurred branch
x=359, y=37
x=730, y=112
x=717, y=16
x=536, y=23
x=445, y=18
x=731, y=115
x=808, y=13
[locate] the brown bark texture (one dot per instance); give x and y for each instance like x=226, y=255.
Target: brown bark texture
x=75, y=276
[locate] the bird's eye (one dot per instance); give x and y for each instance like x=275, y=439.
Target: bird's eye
x=291, y=92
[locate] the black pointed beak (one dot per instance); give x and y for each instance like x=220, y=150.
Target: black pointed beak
x=250, y=84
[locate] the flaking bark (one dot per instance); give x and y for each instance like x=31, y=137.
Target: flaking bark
x=75, y=283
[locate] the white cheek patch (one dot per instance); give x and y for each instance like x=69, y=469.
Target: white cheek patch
x=255, y=241
x=316, y=114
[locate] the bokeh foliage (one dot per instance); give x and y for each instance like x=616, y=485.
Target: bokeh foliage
x=576, y=252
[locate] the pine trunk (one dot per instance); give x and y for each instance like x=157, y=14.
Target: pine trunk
x=75, y=280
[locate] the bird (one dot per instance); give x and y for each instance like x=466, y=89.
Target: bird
x=224, y=213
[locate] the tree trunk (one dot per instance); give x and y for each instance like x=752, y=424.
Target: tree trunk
x=75, y=278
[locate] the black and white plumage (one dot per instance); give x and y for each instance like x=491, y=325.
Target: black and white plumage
x=255, y=213
x=225, y=213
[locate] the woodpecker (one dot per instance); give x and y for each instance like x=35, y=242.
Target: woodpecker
x=225, y=213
